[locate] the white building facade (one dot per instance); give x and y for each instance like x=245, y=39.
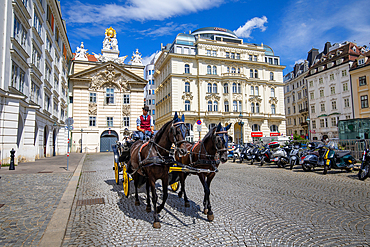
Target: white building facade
x=212, y=76
x=33, y=90
x=149, y=91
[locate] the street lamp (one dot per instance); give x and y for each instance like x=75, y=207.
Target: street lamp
x=241, y=123
x=308, y=124
x=54, y=137
x=81, y=140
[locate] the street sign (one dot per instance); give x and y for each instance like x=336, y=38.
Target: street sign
x=199, y=122
x=199, y=128
x=69, y=121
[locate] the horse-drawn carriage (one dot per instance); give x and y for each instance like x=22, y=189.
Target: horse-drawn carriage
x=144, y=162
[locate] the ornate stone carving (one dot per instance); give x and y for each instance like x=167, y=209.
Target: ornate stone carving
x=187, y=96
x=273, y=100
x=93, y=110
x=81, y=53
x=136, y=58
x=110, y=77
x=212, y=96
x=255, y=98
x=126, y=110
x=238, y=97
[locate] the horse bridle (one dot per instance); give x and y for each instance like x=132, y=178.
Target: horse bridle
x=223, y=132
x=173, y=129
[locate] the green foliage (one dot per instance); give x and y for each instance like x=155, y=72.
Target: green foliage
x=297, y=137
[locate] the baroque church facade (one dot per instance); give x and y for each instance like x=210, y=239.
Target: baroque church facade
x=106, y=96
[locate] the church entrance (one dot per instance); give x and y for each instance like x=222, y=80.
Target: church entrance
x=108, y=138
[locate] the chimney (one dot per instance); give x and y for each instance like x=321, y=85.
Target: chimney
x=296, y=69
x=326, y=48
x=311, y=56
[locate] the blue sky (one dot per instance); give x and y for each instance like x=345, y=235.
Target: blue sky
x=290, y=28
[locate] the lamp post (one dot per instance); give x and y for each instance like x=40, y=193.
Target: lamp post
x=308, y=125
x=81, y=140
x=54, y=137
x=241, y=123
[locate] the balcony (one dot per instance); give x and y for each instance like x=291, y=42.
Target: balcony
x=303, y=110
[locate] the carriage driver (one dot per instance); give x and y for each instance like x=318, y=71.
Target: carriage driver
x=145, y=123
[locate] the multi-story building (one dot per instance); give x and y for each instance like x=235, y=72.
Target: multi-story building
x=296, y=100
x=329, y=89
x=33, y=90
x=149, y=90
x=213, y=76
x=106, y=96
x=360, y=75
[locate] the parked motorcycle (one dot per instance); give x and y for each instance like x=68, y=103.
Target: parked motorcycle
x=256, y=154
x=237, y=152
x=338, y=159
x=363, y=172
x=295, y=155
x=315, y=157
x=246, y=152
x=283, y=156
x=267, y=153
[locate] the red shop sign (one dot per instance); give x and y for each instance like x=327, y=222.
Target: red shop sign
x=275, y=134
x=257, y=134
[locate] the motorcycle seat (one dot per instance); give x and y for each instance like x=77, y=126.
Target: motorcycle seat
x=314, y=153
x=340, y=154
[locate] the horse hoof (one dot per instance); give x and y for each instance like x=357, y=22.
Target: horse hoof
x=148, y=209
x=205, y=211
x=210, y=217
x=137, y=203
x=187, y=204
x=157, y=225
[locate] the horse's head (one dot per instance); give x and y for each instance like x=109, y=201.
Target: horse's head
x=220, y=141
x=178, y=134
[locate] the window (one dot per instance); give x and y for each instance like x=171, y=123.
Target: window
x=35, y=93
x=226, y=106
x=295, y=121
x=238, y=70
x=187, y=87
x=321, y=93
x=322, y=107
x=272, y=92
x=332, y=90
x=226, y=88
x=48, y=44
x=312, y=96
x=314, y=124
x=109, y=97
x=36, y=22
x=208, y=52
x=257, y=108
x=214, y=88
x=187, y=105
x=273, y=110
x=333, y=105
x=18, y=78
x=47, y=102
x=274, y=128
x=36, y=57
x=345, y=87
x=153, y=91
x=215, y=106
x=271, y=76
x=232, y=55
x=150, y=102
x=227, y=54
x=252, y=90
x=110, y=121
x=153, y=101
x=321, y=81
x=331, y=77
x=256, y=127
x=126, y=121
x=240, y=106
x=239, y=88
x=19, y=32
x=313, y=109
x=346, y=102
x=251, y=73
x=92, y=121
x=237, y=55
x=70, y=99
x=288, y=110
x=326, y=122
x=333, y=121
x=255, y=73
x=211, y=126
x=209, y=70
x=288, y=99
x=126, y=99
x=293, y=109
x=209, y=88
x=92, y=97
x=344, y=72
x=255, y=58
x=235, y=106
x=276, y=61
x=250, y=57
x=209, y=105
x=153, y=111
x=299, y=95
x=256, y=90
x=233, y=70
x=311, y=84
x=228, y=69
x=362, y=80
x=187, y=69
x=234, y=87
x=214, y=53
x=364, y=101
x=322, y=124
x=361, y=61
x=214, y=70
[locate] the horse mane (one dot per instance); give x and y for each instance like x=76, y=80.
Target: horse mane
x=208, y=135
x=160, y=132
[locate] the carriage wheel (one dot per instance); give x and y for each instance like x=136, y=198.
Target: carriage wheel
x=116, y=172
x=175, y=186
x=125, y=181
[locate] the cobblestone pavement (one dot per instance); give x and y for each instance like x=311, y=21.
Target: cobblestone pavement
x=253, y=206
x=30, y=200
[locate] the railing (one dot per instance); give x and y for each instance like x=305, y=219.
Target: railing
x=303, y=110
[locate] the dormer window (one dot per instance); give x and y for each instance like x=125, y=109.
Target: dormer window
x=354, y=48
x=322, y=59
x=339, y=52
x=361, y=61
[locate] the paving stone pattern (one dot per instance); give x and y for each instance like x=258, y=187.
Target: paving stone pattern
x=30, y=200
x=253, y=206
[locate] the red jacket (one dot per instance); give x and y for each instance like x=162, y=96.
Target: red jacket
x=145, y=124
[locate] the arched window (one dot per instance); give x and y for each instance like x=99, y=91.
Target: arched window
x=228, y=69
x=209, y=105
x=256, y=90
x=274, y=128
x=211, y=126
x=226, y=88
x=273, y=110
x=255, y=73
x=272, y=92
x=187, y=105
x=239, y=88
x=215, y=106
x=187, y=87
x=233, y=70
x=234, y=87
x=252, y=90
x=240, y=106
x=252, y=108
x=209, y=70
x=271, y=76
x=256, y=127
x=257, y=108
x=226, y=106
x=214, y=88
x=187, y=68
x=251, y=73
x=235, y=106
x=209, y=88
x=189, y=127
x=214, y=70
x=238, y=70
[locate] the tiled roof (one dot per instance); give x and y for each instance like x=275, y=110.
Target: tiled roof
x=90, y=58
x=355, y=65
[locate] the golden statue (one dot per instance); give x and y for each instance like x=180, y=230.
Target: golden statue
x=110, y=32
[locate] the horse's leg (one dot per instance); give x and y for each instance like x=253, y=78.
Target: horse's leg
x=202, y=179
x=183, y=177
x=136, y=183
x=165, y=192
x=148, y=207
x=208, y=183
x=151, y=181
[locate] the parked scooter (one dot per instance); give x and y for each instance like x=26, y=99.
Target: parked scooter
x=363, y=172
x=337, y=159
x=267, y=153
x=246, y=152
x=256, y=154
x=283, y=156
x=295, y=155
x=237, y=152
x=315, y=157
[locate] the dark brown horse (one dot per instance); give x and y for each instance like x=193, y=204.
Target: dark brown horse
x=204, y=155
x=148, y=161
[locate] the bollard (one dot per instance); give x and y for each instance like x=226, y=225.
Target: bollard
x=12, y=152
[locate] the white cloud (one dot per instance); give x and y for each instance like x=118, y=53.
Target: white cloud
x=148, y=59
x=139, y=10
x=299, y=61
x=168, y=29
x=246, y=30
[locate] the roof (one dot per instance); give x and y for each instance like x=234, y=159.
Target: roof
x=90, y=58
x=214, y=30
x=356, y=66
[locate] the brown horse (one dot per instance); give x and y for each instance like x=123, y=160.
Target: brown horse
x=148, y=161
x=203, y=155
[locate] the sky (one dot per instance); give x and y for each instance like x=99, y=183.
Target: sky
x=290, y=28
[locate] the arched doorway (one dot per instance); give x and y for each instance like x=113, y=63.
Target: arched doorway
x=54, y=141
x=237, y=133
x=108, y=138
x=46, y=135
